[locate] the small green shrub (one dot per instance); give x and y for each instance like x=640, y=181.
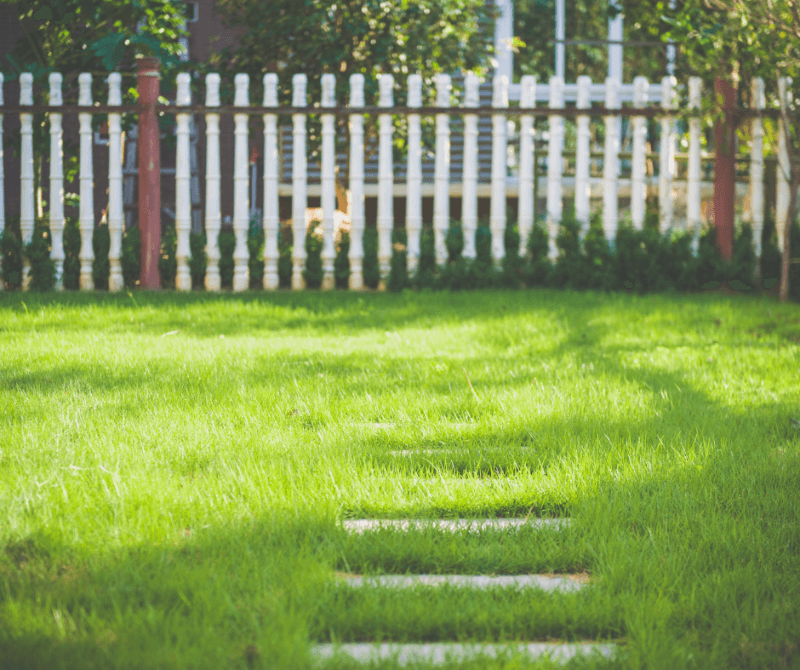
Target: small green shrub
x=198, y=260
x=711, y=267
x=131, y=257
x=285, y=246
x=71, y=240
x=11, y=254
x=101, y=267
x=167, y=262
x=313, y=272
x=341, y=264
x=255, y=249
x=398, y=272
x=538, y=267
x=43, y=268
x=227, y=245
x=426, y=275
x=371, y=271
x=743, y=266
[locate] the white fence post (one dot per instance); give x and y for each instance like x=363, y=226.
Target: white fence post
x=758, y=102
x=213, y=214
x=611, y=162
x=86, y=212
x=554, y=164
x=639, y=163
x=270, y=218
x=526, y=172
x=693, y=194
x=328, y=179
x=441, y=194
x=26, y=211
x=782, y=214
x=299, y=197
x=356, y=253
x=497, y=206
x=469, y=180
x=667, y=155
x=414, y=174
x=241, y=179
x=583, y=155
x=183, y=205
x=385, y=179
x=56, y=181
x=115, y=209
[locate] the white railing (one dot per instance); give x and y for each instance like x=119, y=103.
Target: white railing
x=582, y=186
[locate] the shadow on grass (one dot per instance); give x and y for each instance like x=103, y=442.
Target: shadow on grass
x=687, y=521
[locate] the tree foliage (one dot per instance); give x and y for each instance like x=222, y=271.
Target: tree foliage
x=736, y=40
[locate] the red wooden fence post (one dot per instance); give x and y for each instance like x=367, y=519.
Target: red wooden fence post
x=724, y=168
x=149, y=172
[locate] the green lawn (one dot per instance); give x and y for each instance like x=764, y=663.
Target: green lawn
x=173, y=468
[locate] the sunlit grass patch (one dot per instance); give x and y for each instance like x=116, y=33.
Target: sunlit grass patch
x=175, y=470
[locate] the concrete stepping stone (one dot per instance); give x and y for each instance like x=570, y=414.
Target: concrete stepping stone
x=365, y=525
x=441, y=652
x=564, y=583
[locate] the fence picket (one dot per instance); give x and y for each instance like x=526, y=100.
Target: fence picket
x=299, y=169
x=641, y=89
x=469, y=185
x=26, y=213
x=86, y=211
x=271, y=221
x=693, y=195
x=116, y=215
x=241, y=180
x=356, y=253
x=385, y=179
x=497, y=204
x=328, y=179
x=666, y=156
x=525, y=203
x=583, y=188
x=441, y=194
x=414, y=174
x=56, y=197
x=554, y=164
x=213, y=213
x=611, y=162
x=183, y=205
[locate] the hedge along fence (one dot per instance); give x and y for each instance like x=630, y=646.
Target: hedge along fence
x=263, y=253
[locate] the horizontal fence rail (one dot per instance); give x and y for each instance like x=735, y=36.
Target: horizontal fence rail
x=476, y=141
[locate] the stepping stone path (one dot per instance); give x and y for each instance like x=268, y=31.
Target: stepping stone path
x=364, y=525
x=441, y=652
x=437, y=653
x=544, y=582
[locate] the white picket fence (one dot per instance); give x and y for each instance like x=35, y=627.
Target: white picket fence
x=640, y=94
